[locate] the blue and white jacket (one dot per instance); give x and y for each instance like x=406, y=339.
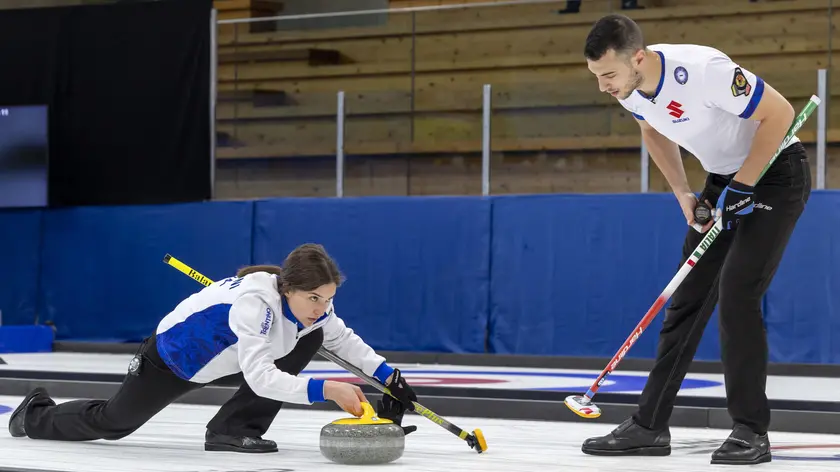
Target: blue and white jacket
x=242, y=324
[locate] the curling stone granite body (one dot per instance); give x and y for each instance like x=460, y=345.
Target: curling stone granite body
x=362, y=441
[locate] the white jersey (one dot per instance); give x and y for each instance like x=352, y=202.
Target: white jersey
x=242, y=324
x=703, y=103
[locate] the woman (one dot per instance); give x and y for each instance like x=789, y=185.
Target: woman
x=267, y=322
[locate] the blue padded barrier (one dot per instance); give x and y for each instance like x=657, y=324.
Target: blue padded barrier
x=417, y=268
x=26, y=339
x=103, y=274
x=572, y=275
x=567, y=275
x=20, y=233
x=803, y=301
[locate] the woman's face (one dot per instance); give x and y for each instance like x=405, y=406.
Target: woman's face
x=307, y=307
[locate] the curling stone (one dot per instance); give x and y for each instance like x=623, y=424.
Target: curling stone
x=362, y=441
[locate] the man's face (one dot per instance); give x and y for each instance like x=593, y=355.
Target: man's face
x=617, y=73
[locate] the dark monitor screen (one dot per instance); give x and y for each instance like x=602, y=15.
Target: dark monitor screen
x=24, y=156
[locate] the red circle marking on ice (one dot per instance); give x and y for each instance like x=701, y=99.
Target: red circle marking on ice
x=426, y=380
x=807, y=446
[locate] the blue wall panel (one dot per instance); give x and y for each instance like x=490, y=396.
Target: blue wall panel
x=417, y=268
x=567, y=275
x=572, y=275
x=19, y=258
x=103, y=273
x=26, y=338
x=803, y=301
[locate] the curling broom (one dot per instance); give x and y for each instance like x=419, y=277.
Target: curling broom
x=475, y=439
x=582, y=405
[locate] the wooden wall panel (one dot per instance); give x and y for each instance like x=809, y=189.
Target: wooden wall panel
x=613, y=171
x=541, y=92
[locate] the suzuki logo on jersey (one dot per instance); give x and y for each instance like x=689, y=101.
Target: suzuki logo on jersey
x=676, y=111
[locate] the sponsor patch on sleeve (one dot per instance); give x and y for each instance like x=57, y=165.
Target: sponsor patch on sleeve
x=266, y=324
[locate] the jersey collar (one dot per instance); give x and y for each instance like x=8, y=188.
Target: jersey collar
x=661, y=79
x=284, y=306
x=288, y=313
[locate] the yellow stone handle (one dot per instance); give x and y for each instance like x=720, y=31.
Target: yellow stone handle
x=368, y=417
x=367, y=411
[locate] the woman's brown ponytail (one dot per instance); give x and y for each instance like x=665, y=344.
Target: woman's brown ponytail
x=271, y=269
x=306, y=268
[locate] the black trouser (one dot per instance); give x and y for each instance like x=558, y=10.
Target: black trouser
x=735, y=273
x=246, y=413
x=154, y=387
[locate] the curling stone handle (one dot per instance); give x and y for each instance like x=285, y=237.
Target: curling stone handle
x=367, y=411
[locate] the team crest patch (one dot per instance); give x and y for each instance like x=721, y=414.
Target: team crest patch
x=740, y=84
x=681, y=75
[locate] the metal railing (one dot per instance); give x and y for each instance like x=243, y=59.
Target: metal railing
x=344, y=115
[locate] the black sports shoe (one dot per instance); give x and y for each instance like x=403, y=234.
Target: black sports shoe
x=630, y=439
x=743, y=447
x=18, y=418
x=224, y=442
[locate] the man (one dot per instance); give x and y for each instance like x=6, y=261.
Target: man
x=732, y=122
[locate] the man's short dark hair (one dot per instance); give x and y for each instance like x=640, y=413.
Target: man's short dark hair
x=616, y=32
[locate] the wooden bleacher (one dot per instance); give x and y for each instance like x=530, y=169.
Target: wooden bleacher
x=233, y=9
x=413, y=85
